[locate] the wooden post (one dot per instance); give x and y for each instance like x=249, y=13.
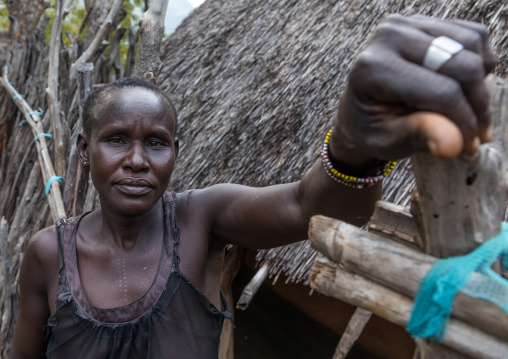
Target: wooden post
x=232, y=264
x=460, y=203
x=149, y=64
x=251, y=289
x=75, y=191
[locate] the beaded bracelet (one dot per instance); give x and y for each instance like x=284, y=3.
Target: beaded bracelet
x=352, y=181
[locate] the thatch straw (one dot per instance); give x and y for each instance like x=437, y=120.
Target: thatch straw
x=257, y=84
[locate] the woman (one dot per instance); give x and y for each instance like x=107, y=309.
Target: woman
x=139, y=277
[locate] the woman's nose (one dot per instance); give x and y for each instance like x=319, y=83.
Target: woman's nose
x=136, y=158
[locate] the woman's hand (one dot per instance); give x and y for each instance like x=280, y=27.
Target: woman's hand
x=393, y=106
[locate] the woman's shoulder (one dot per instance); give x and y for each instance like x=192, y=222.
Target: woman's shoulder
x=42, y=249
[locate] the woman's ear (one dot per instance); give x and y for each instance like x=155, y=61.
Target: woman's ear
x=82, y=145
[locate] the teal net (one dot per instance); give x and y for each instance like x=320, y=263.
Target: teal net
x=433, y=305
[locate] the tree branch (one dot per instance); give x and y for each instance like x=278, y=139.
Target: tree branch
x=52, y=89
x=96, y=43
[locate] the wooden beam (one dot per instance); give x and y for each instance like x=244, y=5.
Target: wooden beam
x=328, y=278
x=394, y=221
x=397, y=267
x=232, y=264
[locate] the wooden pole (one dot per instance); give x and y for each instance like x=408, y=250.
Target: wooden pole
x=460, y=202
x=52, y=89
x=34, y=120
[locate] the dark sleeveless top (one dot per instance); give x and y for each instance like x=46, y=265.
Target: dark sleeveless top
x=172, y=320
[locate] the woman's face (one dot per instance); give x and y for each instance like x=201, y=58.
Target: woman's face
x=131, y=150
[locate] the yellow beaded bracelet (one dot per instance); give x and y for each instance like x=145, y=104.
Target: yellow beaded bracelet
x=352, y=181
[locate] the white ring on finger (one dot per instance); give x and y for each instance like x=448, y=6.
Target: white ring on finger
x=441, y=50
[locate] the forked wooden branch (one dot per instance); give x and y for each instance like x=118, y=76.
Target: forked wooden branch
x=461, y=202
x=99, y=37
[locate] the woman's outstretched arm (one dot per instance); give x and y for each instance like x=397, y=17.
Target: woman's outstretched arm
x=393, y=106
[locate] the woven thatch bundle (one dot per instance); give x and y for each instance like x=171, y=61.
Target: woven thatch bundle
x=257, y=84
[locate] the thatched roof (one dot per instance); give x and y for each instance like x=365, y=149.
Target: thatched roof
x=257, y=84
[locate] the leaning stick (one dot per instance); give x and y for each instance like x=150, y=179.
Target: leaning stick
x=354, y=328
x=47, y=169
x=251, y=289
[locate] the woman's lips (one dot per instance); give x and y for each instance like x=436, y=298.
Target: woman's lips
x=134, y=186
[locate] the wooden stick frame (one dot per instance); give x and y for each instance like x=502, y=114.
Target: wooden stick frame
x=47, y=169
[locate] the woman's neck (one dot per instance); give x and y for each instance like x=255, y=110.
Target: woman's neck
x=126, y=231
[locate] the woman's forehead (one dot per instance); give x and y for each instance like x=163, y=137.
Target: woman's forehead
x=133, y=102
x=132, y=97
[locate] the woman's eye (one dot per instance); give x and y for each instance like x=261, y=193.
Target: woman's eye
x=155, y=143
x=116, y=140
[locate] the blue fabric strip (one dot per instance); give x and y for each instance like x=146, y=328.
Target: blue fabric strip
x=50, y=182
x=48, y=135
x=21, y=123
x=433, y=305
x=16, y=96
x=33, y=113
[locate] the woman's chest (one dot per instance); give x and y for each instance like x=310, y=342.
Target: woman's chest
x=111, y=279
